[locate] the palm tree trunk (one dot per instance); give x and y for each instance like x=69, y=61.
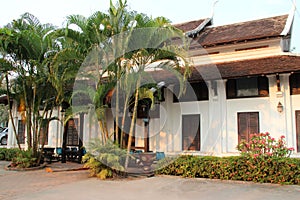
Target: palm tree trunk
x=10, y=112
x=132, y=122
x=103, y=132
x=123, y=120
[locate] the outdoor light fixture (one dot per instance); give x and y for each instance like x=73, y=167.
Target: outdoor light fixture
x=279, y=107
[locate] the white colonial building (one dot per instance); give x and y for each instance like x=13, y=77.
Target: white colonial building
x=245, y=80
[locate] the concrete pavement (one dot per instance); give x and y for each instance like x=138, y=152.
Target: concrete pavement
x=75, y=185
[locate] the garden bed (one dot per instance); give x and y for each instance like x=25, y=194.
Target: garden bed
x=263, y=170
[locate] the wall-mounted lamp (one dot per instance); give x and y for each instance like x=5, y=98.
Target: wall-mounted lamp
x=279, y=107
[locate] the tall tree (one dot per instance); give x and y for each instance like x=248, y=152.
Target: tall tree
x=126, y=45
x=25, y=45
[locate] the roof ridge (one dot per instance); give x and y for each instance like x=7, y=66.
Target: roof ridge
x=255, y=20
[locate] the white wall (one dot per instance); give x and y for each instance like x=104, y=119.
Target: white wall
x=219, y=123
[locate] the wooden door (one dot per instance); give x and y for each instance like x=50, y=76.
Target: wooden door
x=72, y=132
x=191, y=132
x=248, y=123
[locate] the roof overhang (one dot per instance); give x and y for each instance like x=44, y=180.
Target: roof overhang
x=248, y=67
x=235, y=69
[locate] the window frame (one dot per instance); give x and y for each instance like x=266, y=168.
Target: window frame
x=21, y=131
x=248, y=126
x=193, y=141
x=294, y=82
x=262, y=87
x=200, y=89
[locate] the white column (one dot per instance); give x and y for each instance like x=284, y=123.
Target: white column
x=287, y=110
x=216, y=141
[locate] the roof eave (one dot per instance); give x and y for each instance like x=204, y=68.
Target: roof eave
x=206, y=22
x=289, y=22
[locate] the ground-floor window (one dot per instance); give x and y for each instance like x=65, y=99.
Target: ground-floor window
x=248, y=123
x=191, y=132
x=44, y=132
x=21, y=132
x=298, y=130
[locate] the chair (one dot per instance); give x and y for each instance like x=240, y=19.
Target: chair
x=58, y=153
x=160, y=155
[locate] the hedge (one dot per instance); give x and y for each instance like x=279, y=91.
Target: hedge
x=263, y=170
x=8, y=154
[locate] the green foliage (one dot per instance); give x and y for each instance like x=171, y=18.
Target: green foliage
x=8, y=154
x=104, y=160
x=3, y=113
x=24, y=159
x=2, y=153
x=280, y=170
x=19, y=158
x=263, y=145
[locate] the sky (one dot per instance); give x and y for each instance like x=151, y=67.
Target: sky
x=225, y=12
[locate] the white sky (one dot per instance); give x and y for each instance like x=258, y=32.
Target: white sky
x=226, y=11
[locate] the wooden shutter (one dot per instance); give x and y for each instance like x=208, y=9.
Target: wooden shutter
x=191, y=132
x=72, y=133
x=248, y=123
x=298, y=130
x=21, y=132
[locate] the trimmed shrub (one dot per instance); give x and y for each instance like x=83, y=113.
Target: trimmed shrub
x=8, y=154
x=24, y=159
x=2, y=153
x=264, y=170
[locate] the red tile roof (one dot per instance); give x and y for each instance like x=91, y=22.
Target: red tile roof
x=235, y=69
x=249, y=67
x=250, y=30
x=188, y=26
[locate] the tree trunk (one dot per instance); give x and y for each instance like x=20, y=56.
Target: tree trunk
x=10, y=112
x=132, y=122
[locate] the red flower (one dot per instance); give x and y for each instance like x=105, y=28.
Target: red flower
x=255, y=155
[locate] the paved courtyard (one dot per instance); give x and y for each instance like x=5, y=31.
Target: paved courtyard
x=76, y=184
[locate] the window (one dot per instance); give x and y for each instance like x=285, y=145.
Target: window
x=21, y=132
x=248, y=123
x=194, y=92
x=72, y=133
x=191, y=132
x=44, y=132
x=295, y=83
x=247, y=87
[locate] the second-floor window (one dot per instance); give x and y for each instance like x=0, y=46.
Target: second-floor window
x=247, y=87
x=295, y=83
x=197, y=91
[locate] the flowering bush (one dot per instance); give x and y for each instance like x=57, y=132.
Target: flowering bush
x=263, y=145
x=260, y=169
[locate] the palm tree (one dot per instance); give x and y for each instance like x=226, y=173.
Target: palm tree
x=25, y=45
x=118, y=48
x=135, y=42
